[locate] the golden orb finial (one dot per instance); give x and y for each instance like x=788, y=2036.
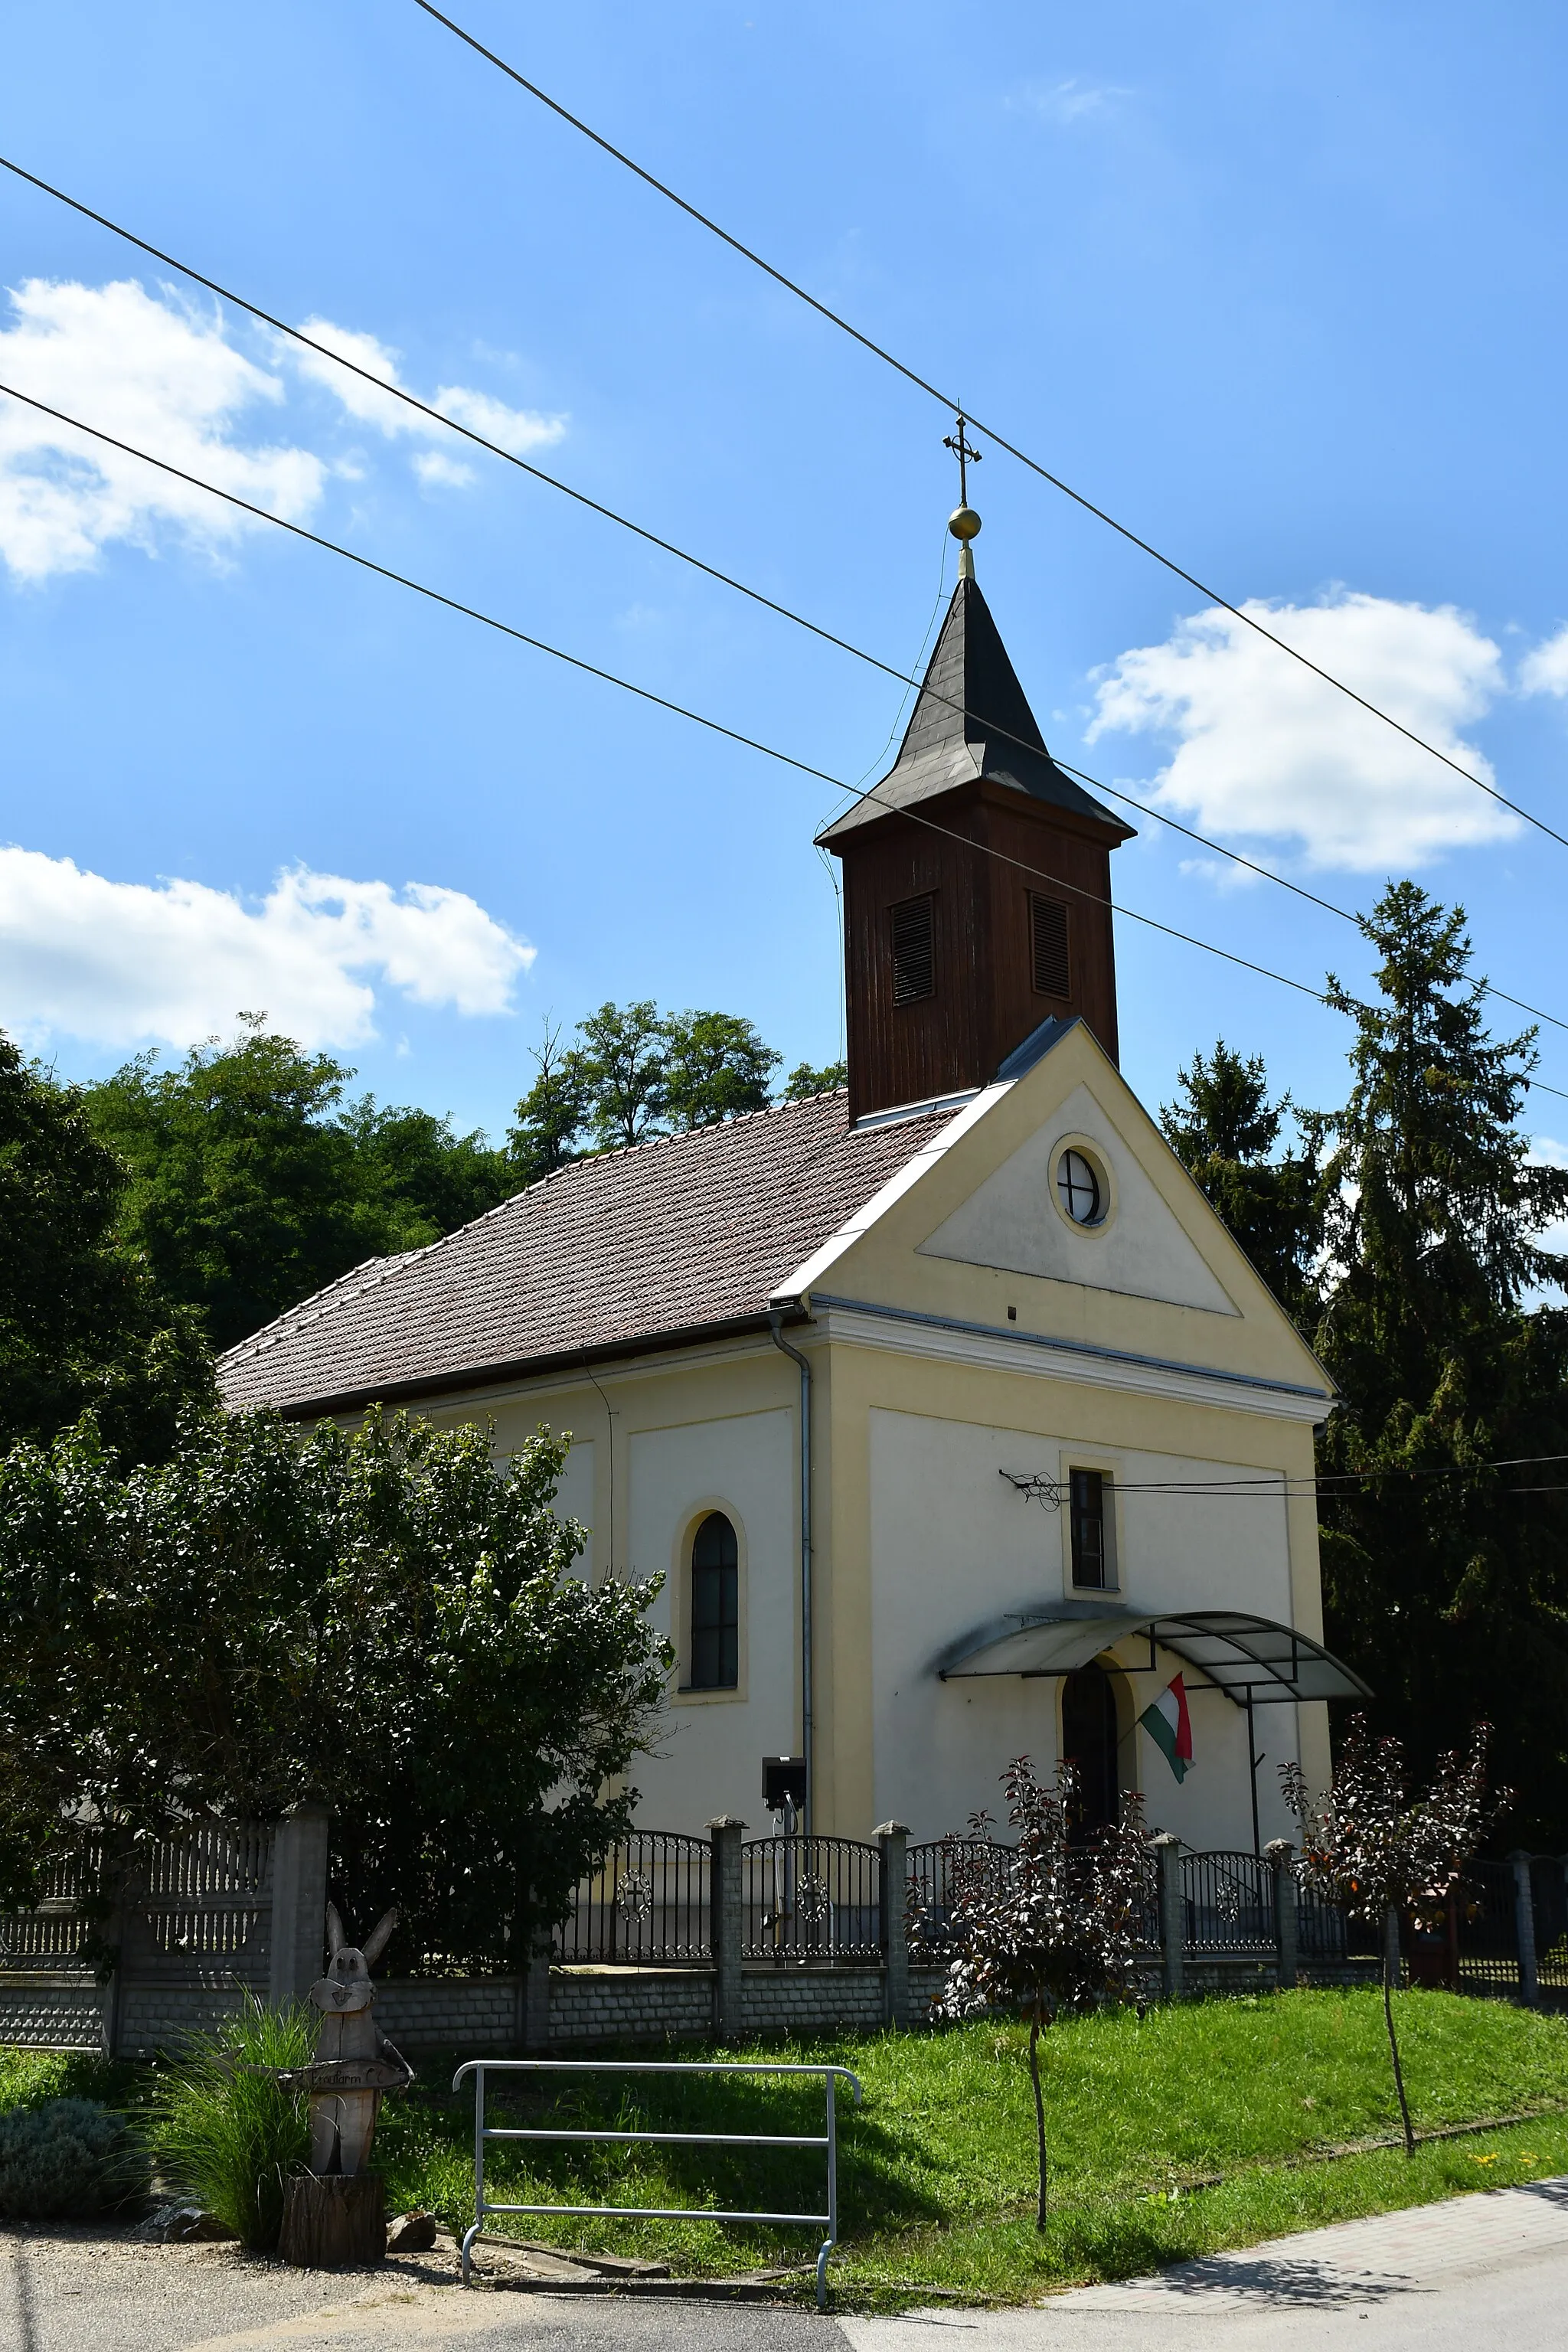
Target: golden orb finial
x=963, y=523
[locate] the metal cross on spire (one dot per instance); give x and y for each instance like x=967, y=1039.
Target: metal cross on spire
x=963, y=523
x=967, y=455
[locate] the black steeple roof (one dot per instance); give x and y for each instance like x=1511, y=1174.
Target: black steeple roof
x=972, y=720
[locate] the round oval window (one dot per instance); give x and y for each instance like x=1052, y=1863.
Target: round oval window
x=1078, y=1189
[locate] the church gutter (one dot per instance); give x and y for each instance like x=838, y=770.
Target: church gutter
x=775, y=1323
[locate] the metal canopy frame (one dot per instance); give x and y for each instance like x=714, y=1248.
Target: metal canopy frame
x=1256, y=1661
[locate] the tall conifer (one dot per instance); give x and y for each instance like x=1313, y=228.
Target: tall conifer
x=1446, y=1577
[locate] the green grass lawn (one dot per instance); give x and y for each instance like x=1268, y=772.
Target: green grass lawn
x=936, y=2182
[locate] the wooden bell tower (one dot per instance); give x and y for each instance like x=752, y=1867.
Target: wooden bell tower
x=976, y=882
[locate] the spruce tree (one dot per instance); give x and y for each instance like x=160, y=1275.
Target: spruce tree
x=1446, y=1565
x=1225, y=1130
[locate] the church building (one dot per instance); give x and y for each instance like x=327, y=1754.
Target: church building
x=956, y=1422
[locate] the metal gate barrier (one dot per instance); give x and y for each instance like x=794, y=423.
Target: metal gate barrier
x=827, y=2140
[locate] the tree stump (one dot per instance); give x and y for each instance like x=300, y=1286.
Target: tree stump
x=335, y=2223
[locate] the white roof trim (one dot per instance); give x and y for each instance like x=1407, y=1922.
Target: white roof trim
x=806, y=1275
x=983, y=1345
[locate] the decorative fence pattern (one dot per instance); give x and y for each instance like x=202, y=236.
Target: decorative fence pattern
x=650, y=1906
x=1228, y=1902
x=816, y=1899
x=201, y=1904
x=51, y=1936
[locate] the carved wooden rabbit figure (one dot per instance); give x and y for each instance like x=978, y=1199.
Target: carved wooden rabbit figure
x=353, y=2064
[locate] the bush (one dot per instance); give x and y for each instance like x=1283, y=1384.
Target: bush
x=228, y=2136
x=69, y=2157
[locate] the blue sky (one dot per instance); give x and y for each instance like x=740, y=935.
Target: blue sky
x=1281, y=288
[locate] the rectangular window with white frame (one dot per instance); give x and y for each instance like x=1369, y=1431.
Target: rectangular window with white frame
x=1091, y=1515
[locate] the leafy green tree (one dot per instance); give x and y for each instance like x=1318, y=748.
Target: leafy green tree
x=1225, y=1132
x=622, y=1063
x=243, y=1194
x=635, y=1073
x=1445, y=1580
x=376, y=1619
x=422, y=1178
x=805, y=1080
x=553, y=1114
x=83, y=1323
x=715, y=1067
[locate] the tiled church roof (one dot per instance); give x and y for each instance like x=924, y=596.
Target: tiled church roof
x=626, y=1248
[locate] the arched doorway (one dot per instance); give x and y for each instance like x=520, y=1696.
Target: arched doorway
x=1089, y=1742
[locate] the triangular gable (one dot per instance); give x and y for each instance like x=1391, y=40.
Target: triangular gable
x=1012, y=1223
x=967, y=1229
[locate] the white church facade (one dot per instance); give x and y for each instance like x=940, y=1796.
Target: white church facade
x=956, y=1423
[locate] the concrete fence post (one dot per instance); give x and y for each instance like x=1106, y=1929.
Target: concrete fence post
x=727, y=1926
x=298, y=1903
x=533, y=1996
x=893, y=1838
x=1281, y=1854
x=1173, y=1912
x=1524, y=1928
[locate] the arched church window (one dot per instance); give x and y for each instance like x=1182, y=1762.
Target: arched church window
x=715, y=1605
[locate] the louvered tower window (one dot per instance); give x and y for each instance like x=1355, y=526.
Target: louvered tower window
x=1049, y=945
x=914, y=969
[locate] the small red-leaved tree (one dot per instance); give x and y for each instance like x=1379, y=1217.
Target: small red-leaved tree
x=1377, y=1850
x=1052, y=1925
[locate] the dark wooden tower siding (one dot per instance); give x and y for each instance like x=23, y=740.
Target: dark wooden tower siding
x=953, y=956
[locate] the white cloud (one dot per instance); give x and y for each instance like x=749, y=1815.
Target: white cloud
x=436, y=470
x=1266, y=750
x=167, y=377
x=1069, y=100
x=157, y=374
x=517, y=430
x=1545, y=671
x=125, y=964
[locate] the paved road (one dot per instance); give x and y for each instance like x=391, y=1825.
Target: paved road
x=1479, y=2272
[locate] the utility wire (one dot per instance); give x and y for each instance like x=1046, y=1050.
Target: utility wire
x=785, y=611
x=953, y=405
x=662, y=702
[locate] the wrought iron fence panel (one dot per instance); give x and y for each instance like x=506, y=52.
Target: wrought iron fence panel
x=928, y=1906
x=1488, y=1925
x=812, y=1899
x=1549, y=1892
x=1323, y=1931
x=1228, y=1902
x=50, y=1936
x=649, y=1906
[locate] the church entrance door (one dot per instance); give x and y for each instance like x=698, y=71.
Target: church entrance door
x=1089, y=1743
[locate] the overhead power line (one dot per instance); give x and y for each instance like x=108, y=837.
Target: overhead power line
x=684, y=555
x=953, y=405
x=662, y=702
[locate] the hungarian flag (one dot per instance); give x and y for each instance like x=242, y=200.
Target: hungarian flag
x=1170, y=1726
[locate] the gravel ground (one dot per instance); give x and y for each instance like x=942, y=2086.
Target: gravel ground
x=80, y=2289
x=1463, y=2276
